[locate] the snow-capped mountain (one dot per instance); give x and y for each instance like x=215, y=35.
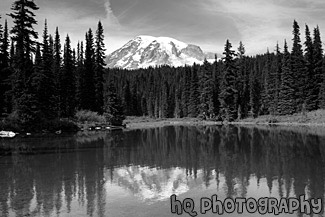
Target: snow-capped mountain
x=152, y=184
x=145, y=51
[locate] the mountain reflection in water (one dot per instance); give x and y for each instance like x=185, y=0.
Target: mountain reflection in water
x=133, y=173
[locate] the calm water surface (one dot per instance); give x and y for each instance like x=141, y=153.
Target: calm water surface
x=134, y=173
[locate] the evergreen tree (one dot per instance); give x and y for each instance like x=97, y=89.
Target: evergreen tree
x=242, y=84
x=99, y=67
x=287, y=103
x=298, y=68
x=185, y=73
x=311, y=86
x=56, y=72
x=5, y=71
x=177, y=111
x=24, y=36
x=278, y=78
x=216, y=80
x=194, y=93
x=318, y=65
x=206, y=107
x=4, y=47
x=113, y=106
x=255, y=94
x=270, y=85
x=228, y=95
x=80, y=75
x=127, y=99
x=89, y=95
x=46, y=91
x=67, y=81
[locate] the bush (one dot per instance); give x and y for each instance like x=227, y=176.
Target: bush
x=114, y=120
x=89, y=116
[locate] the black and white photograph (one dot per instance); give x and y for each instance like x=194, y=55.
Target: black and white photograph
x=162, y=108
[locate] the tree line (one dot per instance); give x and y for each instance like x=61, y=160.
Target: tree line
x=236, y=86
x=41, y=81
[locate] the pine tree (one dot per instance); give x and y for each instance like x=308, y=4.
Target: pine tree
x=216, y=80
x=127, y=99
x=278, y=78
x=242, y=81
x=298, y=68
x=255, y=94
x=67, y=93
x=228, y=95
x=206, y=107
x=5, y=71
x=271, y=85
x=47, y=84
x=80, y=75
x=89, y=94
x=99, y=67
x=318, y=64
x=185, y=73
x=57, y=73
x=24, y=37
x=194, y=93
x=4, y=47
x=311, y=86
x=287, y=103
x=113, y=106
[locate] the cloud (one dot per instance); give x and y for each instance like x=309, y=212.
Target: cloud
x=262, y=23
x=207, y=23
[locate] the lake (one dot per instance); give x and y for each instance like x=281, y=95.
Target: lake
x=135, y=172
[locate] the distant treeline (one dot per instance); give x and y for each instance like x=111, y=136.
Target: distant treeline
x=41, y=81
x=235, y=87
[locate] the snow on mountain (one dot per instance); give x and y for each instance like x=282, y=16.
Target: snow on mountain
x=152, y=184
x=144, y=51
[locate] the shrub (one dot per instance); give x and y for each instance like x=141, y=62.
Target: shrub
x=114, y=120
x=89, y=116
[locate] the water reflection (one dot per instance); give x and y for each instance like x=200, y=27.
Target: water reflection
x=98, y=174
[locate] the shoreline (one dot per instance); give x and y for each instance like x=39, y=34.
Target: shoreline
x=146, y=122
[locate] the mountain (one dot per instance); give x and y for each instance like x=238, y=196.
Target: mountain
x=145, y=51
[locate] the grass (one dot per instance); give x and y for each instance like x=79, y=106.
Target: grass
x=316, y=118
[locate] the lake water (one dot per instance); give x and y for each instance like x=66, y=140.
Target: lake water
x=135, y=172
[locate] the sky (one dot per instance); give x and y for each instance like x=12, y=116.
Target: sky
x=259, y=24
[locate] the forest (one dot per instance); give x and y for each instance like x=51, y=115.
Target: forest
x=44, y=80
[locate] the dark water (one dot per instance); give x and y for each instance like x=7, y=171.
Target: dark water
x=134, y=173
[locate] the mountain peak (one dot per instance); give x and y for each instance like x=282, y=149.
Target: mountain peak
x=144, y=51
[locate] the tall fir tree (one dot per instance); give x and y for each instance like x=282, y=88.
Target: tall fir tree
x=24, y=36
x=311, y=86
x=5, y=71
x=4, y=47
x=113, y=106
x=99, y=68
x=229, y=95
x=80, y=75
x=287, y=102
x=299, y=69
x=57, y=72
x=206, y=107
x=255, y=94
x=47, y=84
x=194, y=93
x=278, y=76
x=89, y=94
x=242, y=84
x=67, y=81
x=318, y=67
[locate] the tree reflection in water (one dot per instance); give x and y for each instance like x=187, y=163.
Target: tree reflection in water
x=74, y=173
